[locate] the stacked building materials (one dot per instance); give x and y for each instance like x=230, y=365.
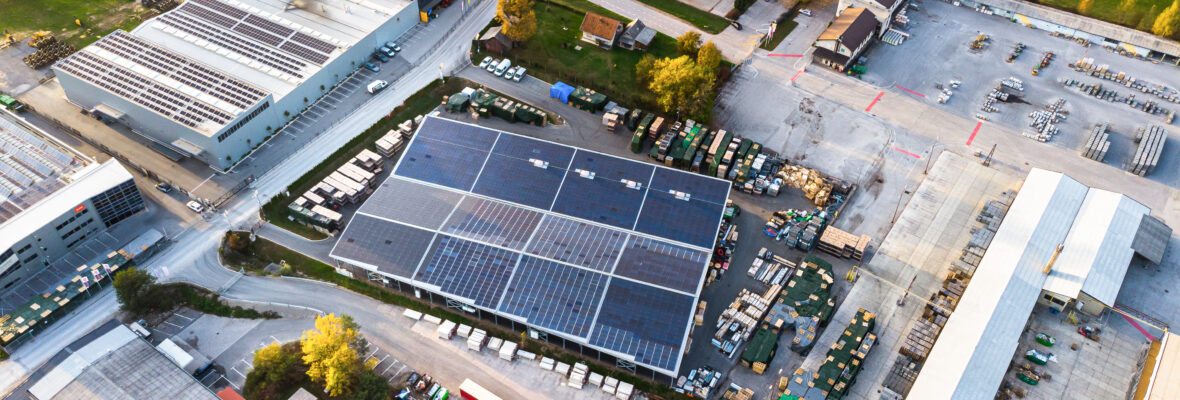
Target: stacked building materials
x=508, y=351
x=476, y=340
x=843, y=244
x=700, y=382
x=1151, y=146
x=610, y=385
x=760, y=350
x=641, y=133
x=738, y=322
x=457, y=102
x=1098, y=143
x=577, y=378
x=844, y=361
x=805, y=304
x=625, y=391
x=587, y=99
x=446, y=330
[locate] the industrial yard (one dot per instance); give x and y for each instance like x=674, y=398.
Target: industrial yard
x=939, y=53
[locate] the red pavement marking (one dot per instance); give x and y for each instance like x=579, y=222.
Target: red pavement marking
x=972, y=138
x=870, y=107
x=1140, y=328
x=906, y=152
x=793, y=78
x=911, y=91
x=784, y=55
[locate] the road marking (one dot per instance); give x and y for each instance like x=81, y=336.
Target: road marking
x=972, y=138
x=906, y=152
x=784, y=55
x=911, y=91
x=793, y=78
x=875, y=100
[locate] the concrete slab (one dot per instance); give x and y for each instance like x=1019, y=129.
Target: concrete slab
x=212, y=335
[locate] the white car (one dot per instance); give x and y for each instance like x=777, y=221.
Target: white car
x=486, y=61
x=805, y=12
x=196, y=207
x=376, y=86
x=505, y=64
x=492, y=65
x=519, y=74
x=508, y=74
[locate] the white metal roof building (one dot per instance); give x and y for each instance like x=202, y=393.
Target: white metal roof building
x=207, y=78
x=52, y=198
x=1094, y=229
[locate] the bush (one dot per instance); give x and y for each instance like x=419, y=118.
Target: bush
x=276, y=368
x=140, y=295
x=743, y=5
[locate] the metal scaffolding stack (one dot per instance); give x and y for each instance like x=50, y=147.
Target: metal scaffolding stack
x=1151, y=146
x=1098, y=143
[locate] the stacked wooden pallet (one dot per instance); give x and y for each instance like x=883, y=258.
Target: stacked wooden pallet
x=1098, y=143
x=920, y=340
x=843, y=244
x=1151, y=146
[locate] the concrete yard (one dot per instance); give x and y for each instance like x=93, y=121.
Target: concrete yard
x=937, y=52
x=1105, y=369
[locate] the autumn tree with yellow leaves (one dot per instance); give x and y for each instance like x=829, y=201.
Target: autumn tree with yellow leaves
x=520, y=22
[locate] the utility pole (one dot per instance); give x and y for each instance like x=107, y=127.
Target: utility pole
x=987, y=161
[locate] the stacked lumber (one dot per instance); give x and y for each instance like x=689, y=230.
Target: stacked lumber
x=1098, y=143
x=1151, y=146
x=843, y=244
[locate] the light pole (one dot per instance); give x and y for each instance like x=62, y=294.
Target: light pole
x=440, y=73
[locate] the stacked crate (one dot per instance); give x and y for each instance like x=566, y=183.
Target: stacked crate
x=1151, y=146
x=1098, y=143
x=843, y=244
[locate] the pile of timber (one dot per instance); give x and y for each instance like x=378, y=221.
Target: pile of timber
x=843, y=244
x=1151, y=146
x=1098, y=143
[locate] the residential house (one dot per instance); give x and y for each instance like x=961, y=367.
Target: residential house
x=847, y=37
x=496, y=41
x=637, y=36
x=601, y=31
x=883, y=10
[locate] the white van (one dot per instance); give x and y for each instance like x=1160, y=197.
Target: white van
x=504, y=65
x=140, y=330
x=376, y=86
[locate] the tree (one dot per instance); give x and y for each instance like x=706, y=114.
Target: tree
x=742, y=5
x=330, y=356
x=643, y=69
x=682, y=86
x=371, y=386
x=709, y=57
x=1128, y=12
x=688, y=43
x=1168, y=23
x=238, y=241
x=520, y=22
x=1148, y=19
x=275, y=367
x=1085, y=6
x=136, y=290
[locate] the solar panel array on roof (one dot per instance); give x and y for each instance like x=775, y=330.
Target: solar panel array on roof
x=544, y=232
x=29, y=169
x=259, y=29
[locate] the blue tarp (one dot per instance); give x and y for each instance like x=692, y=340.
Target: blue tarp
x=561, y=92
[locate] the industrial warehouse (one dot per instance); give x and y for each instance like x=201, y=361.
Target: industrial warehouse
x=52, y=200
x=213, y=79
x=582, y=247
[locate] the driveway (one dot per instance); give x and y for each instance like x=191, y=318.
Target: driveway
x=735, y=45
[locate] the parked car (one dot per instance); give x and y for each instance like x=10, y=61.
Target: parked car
x=508, y=74
x=164, y=187
x=393, y=46
x=735, y=24
x=380, y=57
x=805, y=12
x=413, y=379
x=387, y=51
x=486, y=61
x=196, y=207
x=372, y=67
x=505, y=64
x=519, y=74
x=492, y=65
x=376, y=86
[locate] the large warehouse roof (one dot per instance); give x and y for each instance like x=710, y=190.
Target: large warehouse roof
x=206, y=61
x=32, y=165
x=601, y=250
x=1093, y=228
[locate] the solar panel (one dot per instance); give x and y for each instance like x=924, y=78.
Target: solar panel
x=304, y=39
x=662, y=263
x=411, y=202
x=554, y=296
x=469, y=270
x=492, y=222
x=525, y=171
x=393, y=248
x=222, y=8
x=576, y=242
x=258, y=34
x=598, y=189
x=233, y=42
x=643, y=321
x=305, y=53
x=467, y=136
x=683, y=207
x=441, y=162
x=269, y=26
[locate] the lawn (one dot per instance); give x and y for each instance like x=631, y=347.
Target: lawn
x=99, y=17
x=551, y=55
x=1130, y=13
x=704, y=20
x=786, y=24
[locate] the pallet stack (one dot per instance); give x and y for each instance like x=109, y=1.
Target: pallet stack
x=1097, y=144
x=843, y=244
x=1151, y=146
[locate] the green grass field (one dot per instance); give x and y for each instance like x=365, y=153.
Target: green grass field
x=704, y=20
x=1138, y=14
x=99, y=17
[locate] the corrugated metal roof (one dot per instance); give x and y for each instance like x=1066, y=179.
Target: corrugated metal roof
x=1097, y=250
x=1152, y=239
x=976, y=345
x=1106, y=274
x=61, y=376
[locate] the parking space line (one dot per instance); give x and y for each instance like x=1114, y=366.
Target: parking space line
x=974, y=132
x=175, y=325
x=875, y=100
x=182, y=316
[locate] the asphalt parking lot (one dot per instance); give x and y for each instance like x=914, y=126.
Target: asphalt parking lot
x=937, y=52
